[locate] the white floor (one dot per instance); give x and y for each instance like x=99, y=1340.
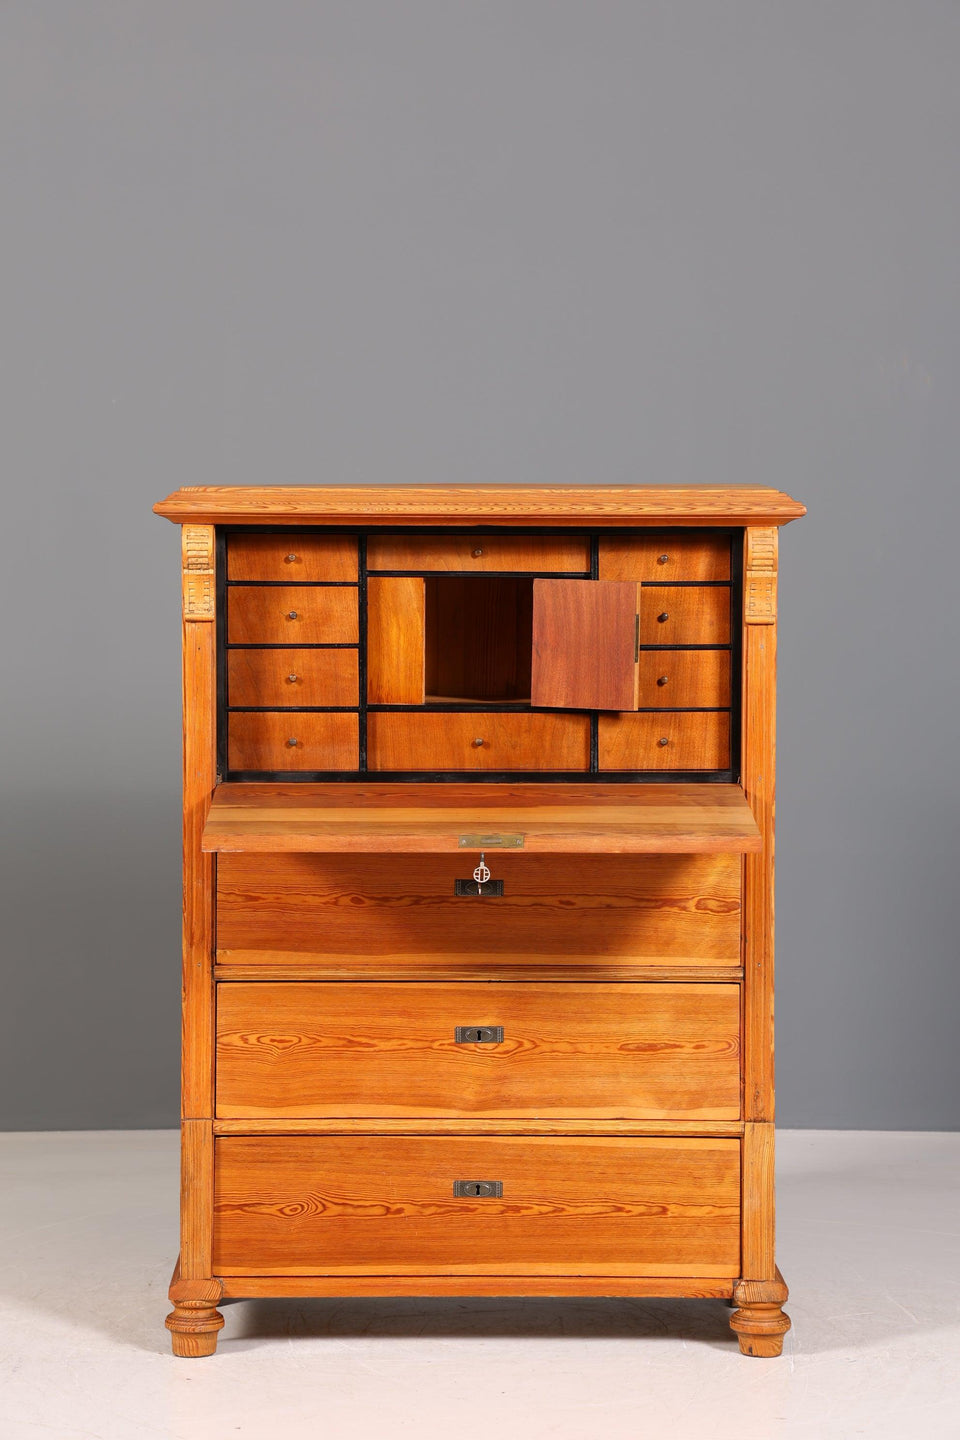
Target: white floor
x=868, y=1244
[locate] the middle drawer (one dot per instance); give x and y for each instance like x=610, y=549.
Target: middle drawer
x=637, y=1051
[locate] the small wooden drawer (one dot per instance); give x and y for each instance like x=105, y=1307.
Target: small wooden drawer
x=522, y=554
x=291, y=678
x=560, y=917
x=665, y=557
x=685, y=615
x=668, y=741
x=292, y=558
x=681, y=678
x=478, y=740
x=292, y=615
x=387, y=1205
x=635, y=1051
x=265, y=740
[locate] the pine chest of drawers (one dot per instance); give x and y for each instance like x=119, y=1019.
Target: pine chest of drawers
x=478, y=896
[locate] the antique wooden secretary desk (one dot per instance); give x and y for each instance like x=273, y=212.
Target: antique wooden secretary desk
x=478, y=895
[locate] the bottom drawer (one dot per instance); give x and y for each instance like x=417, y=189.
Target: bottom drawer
x=385, y=1205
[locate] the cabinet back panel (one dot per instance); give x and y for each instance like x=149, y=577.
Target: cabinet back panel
x=660, y=910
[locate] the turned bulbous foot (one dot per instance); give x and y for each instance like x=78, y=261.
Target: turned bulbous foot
x=194, y=1322
x=759, y=1322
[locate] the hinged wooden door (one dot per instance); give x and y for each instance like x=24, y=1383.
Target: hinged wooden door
x=586, y=639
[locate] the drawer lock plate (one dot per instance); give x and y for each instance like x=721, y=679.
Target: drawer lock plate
x=475, y=887
x=513, y=841
x=478, y=1189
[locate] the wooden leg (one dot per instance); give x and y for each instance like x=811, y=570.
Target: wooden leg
x=194, y=1322
x=759, y=1322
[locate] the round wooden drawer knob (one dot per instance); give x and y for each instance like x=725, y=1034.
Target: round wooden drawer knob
x=663, y=679
x=663, y=618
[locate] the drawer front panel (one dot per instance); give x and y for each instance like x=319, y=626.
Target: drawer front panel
x=685, y=615
x=477, y=741
x=591, y=911
x=293, y=741
x=292, y=677
x=385, y=1205
x=292, y=615
x=526, y=554
x=665, y=558
x=676, y=678
x=667, y=741
x=586, y=1051
x=292, y=558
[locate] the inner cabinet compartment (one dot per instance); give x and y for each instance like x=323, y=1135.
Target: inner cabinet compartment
x=478, y=637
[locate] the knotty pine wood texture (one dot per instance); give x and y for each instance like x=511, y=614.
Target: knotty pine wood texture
x=681, y=678
x=584, y=644
x=289, y=678
x=371, y=1205
x=591, y=910
x=476, y=740
x=395, y=641
x=591, y=1051
x=653, y=558
x=292, y=615
x=478, y=552
x=237, y=1287
x=589, y=506
x=292, y=558
x=667, y=740
x=437, y=818
x=684, y=615
x=281, y=740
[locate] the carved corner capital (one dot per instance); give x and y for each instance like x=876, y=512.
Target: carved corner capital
x=199, y=587
x=760, y=560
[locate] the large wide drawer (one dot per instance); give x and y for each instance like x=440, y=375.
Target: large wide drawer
x=385, y=1205
x=476, y=740
x=655, y=1051
x=401, y=912
x=516, y=554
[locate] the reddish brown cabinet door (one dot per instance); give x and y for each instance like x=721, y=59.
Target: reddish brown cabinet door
x=585, y=644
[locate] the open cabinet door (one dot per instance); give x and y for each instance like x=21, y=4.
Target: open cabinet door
x=586, y=644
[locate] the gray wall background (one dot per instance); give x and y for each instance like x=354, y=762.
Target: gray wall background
x=519, y=240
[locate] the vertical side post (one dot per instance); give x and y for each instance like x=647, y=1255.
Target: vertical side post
x=758, y=770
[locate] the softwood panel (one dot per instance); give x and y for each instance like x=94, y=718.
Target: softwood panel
x=679, y=678
x=694, y=615
x=585, y=644
x=667, y=910
x=653, y=558
x=592, y=1051
x=395, y=641
x=467, y=1125
x=478, y=553
x=292, y=615
x=292, y=558
x=596, y=506
x=454, y=740
x=293, y=741
x=292, y=677
x=405, y=817
x=667, y=740
x=385, y=1205
x=196, y=1199
x=236, y=1287
x=758, y=1202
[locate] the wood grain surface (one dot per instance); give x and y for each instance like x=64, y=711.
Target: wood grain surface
x=385, y=1205
x=478, y=637
x=593, y=1051
x=477, y=552
x=292, y=615
x=684, y=615
x=650, y=558
x=292, y=677
x=594, y=506
x=668, y=740
x=292, y=558
x=661, y=910
x=395, y=641
x=411, y=817
x=477, y=740
x=678, y=678
x=584, y=644
x=262, y=741
x=236, y=1287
